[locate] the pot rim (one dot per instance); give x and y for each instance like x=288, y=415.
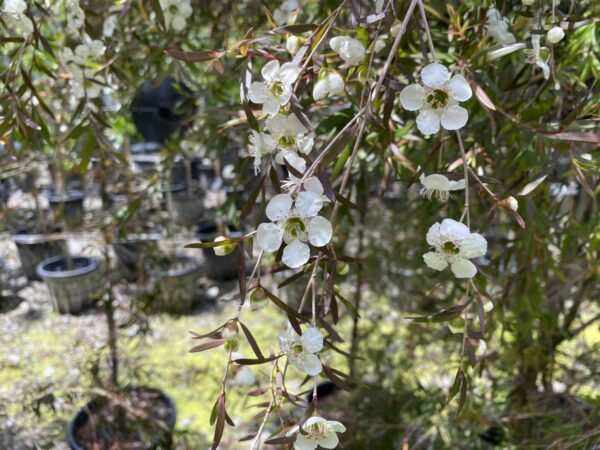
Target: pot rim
x=92, y=265
x=81, y=415
x=70, y=196
x=36, y=238
x=197, y=265
x=233, y=231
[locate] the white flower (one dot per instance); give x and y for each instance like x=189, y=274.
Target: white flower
x=16, y=18
x=437, y=101
x=176, y=13
x=75, y=17
x=328, y=85
x=350, y=50
x=276, y=90
x=536, y=58
x=454, y=245
x=109, y=25
x=439, y=186
x=555, y=35
x=291, y=137
x=317, y=431
x=295, y=222
x=302, y=350
x=497, y=27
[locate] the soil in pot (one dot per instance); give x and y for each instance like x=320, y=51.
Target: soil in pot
x=219, y=267
x=137, y=418
x=68, y=208
x=34, y=248
x=73, y=284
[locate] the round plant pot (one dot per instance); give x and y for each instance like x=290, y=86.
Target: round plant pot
x=132, y=253
x=71, y=289
x=91, y=421
x=35, y=248
x=219, y=267
x=187, y=209
x=178, y=285
x=68, y=207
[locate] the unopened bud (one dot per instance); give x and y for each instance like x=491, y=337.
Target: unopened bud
x=555, y=35
x=258, y=300
x=510, y=202
x=232, y=345
x=223, y=250
x=230, y=331
x=343, y=268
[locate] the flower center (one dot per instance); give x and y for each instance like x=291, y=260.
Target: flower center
x=295, y=228
x=450, y=248
x=297, y=349
x=437, y=99
x=286, y=141
x=316, y=432
x=276, y=88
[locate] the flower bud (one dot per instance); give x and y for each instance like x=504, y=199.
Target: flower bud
x=555, y=35
x=232, y=345
x=293, y=44
x=258, y=300
x=223, y=250
x=343, y=268
x=457, y=325
x=230, y=331
x=510, y=202
x=395, y=28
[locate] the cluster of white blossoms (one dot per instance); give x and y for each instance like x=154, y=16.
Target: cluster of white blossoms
x=352, y=51
x=302, y=351
x=454, y=245
x=295, y=222
x=317, y=432
x=329, y=83
x=437, y=99
x=497, y=27
x=14, y=16
x=276, y=89
x=176, y=13
x=286, y=137
x=84, y=79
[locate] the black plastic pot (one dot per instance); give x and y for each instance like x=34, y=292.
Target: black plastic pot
x=68, y=208
x=160, y=108
x=178, y=285
x=83, y=416
x=187, y=209
x=132, y=253
x=35, y=248
x=219, y=267
x=72, y=289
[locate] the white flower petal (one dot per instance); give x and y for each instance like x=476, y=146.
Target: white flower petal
x=473, y=246
x=451, y=229
x=308, y=204
x=270, y=107
x=336, y=426
x=459, y=88
x=435, y=75
x=336, y=43
x=463, y=268
x=258, y=92
x=435, y=261
x=436, y=181
x=269, y=237
x=289, y=72
x=312, y=340
x=335, y=83
x=319, y=231
x=270, y=70
x=412, y=97
x=293, y=125
x=320, y=90
x=454, y=117
x=329, y=441
x=312, y=364
x=313, y=184
x=434, y=235
x=296, y=254
x=301, y=443
x=279, y=207
x=456, y=185
x=428, y=122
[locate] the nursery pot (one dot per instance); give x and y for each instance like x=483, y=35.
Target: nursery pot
x=187, y=209
x=219, y=267
x=72, y=289
x=68, y=207
x=132, y=252
x=154, y=402
x=178, y=285
x=35, y=248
